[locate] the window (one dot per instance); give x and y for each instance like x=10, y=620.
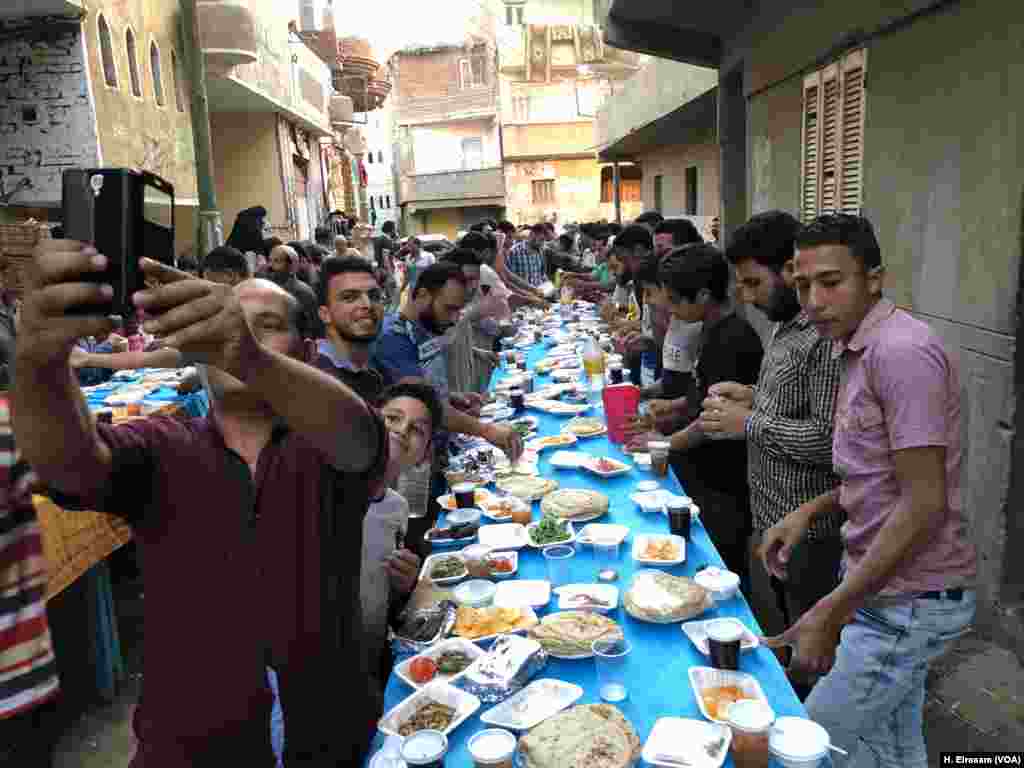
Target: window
x=389, y=201
x=514, y=15
x=472, y=154
x=692, y=192
x=832, y=141
x=133, y=63
x=380, y=201
x=543, y=191
x=154, y=69
x=631, y=177
x=107, y=53
x=473, y=71
x=179, y=101
x=371, y=203
x=659, y=193
x=380, y=156
x=521, y=108
x=369, y=158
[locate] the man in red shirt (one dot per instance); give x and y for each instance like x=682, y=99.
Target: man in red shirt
x=250, y=520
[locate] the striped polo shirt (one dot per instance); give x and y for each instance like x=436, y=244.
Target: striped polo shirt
x=28, y=670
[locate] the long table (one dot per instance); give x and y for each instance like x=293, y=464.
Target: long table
x=662, y=655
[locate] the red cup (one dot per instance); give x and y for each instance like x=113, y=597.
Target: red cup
x=620, y=407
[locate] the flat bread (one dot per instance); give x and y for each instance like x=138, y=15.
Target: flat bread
x=665, y=599
x=587, y=736
x=585, y=427
x=572, y=633
x=571, y=503
x=526, y=487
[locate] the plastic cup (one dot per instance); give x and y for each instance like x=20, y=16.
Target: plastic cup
x=796, y=742
x=724, y=636
x=620, y=406
x=751, y=724
x=465, y=495
x=611, y=658
x=606, y=553
x=679, y=518
x=517, y=400
x=559, y=559
x=659, y=456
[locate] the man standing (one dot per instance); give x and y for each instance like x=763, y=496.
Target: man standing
x=284, y=264
x=787, y=419
x=909, y=565
x=713, y=472
x=526, y=259
x=251, y=519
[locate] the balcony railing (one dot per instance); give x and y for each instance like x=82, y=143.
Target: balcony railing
x=454, y=185
x=460, y=105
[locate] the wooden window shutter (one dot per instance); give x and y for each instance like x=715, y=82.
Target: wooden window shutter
x=465, y=74
x=830, y=131
x=809, y=165
x=851, y=193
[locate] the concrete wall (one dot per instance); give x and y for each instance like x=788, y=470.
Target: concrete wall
x=577, y=191
x=47, y=117
x=671, y=164
x=657, y=89
x=438, y=148
x=944, y=148
x=248, y=172
x=548, y=140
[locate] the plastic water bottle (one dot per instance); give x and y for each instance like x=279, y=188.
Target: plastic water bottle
x=648, y=368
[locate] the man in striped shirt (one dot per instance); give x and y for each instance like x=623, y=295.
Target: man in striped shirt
x=28, y=670
x=787, y=418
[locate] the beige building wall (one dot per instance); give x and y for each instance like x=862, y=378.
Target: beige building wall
x=247, y=167
x=577, y=186
x=671, y=163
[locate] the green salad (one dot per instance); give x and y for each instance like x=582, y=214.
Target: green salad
x=550, y=530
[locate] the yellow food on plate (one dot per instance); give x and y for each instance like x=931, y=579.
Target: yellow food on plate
x=660, y=549
x=718, y=700
x=474, y=623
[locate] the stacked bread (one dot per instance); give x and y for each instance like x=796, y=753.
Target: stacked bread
x=587, y=736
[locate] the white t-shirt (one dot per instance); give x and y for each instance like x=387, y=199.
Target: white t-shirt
x=384, y=520
x=680, y=347
x=425, y=259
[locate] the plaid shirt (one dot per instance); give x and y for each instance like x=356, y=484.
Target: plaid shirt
x=527, y=263
x=789, y=432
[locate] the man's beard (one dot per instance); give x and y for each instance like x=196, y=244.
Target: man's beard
x=783, y=305
x=429, y=321
x=358, y=338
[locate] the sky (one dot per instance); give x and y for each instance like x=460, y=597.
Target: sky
x=393, y=24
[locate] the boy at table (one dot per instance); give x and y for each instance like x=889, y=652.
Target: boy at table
x=909, y=565
x=713, y=471
x=250, y=519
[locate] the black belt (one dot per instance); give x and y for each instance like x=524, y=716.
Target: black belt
x=956, y=594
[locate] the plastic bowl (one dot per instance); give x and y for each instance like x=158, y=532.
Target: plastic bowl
x=460, y=516
x=475, y=593
x=722, y=584
x=796, y=742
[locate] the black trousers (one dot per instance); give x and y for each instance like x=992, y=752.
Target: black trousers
x=28, y=740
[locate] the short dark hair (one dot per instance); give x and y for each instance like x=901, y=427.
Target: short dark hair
x=539, y=229
x=694, y=268
x=388, y=227
x=648, y=272
x=615, y=228
x=187, y=264
x=683, y=231
x=421, y=391
x=323, y=235
x=464, y=257
x=474, y=241
x=340, y=265
x=224, y=258
x=652, y=218
x=634, y=235
x=301, y=249
x=853, y=232
x=270, y=244
x=436, y=276
x=768, y=238
x=478, y=227
x=507, y=227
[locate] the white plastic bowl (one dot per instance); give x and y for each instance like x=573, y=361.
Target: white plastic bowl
x=475, y=593
x=797, y=742
x=460, y=516
x=722, y=584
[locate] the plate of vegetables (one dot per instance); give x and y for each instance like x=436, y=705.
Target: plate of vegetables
x=447, y=661
x=444, y=569
x=550, y=530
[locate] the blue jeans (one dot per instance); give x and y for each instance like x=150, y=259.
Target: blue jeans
x=872, y=701
x=276, y=719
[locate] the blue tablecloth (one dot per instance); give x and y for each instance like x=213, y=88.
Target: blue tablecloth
x=194, y=404
x=661, y=656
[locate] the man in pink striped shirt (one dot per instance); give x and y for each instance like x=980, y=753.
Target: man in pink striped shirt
x=28, y=670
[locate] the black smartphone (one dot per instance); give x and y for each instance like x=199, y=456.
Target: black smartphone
x=126, y=214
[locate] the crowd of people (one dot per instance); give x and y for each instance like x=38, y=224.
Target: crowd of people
x=284, y=531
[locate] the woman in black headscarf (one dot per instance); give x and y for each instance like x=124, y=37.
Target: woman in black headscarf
x=248, y=232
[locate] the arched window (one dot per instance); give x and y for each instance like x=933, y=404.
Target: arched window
x=380, y=156
x=369, y=158
x=154, y=68
x=107, y=53
x=179, y=101
x=133, y=63
x=389, y=201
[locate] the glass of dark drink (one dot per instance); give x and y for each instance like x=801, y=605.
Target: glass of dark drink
x=679, y=518
x=517, y=400
x=724, y=636
x=465, y=495
x=615, y=374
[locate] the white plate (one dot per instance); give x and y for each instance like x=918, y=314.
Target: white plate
x=429, y=562
x=697, y=632
x=558, y=408
x=542, y=699
x=567, y=427
x=687, y=740
x=471, y=649
x=606, y=592
x=464, y=704
x=567, y=459
x=487, y=507
x=567, y=374
x=539, y=444
x=602, y=532
x=512, y=594
x=500, y=415
x=492, y=408
x=529, y=539
x=591, y=466
x=503, y=536
x=445, y=543
x=640, y=544
x=514, y=557
x=702, y=678
x=529, y=617
x=475, y=593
